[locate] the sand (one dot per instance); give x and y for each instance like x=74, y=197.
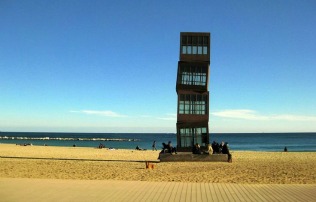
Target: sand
x=48, y=162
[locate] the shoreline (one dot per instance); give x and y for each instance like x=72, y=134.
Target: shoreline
x=106, y=148
x=85, y=163
x=240, y=141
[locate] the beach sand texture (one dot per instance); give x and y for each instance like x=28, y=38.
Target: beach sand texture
x=79, y=163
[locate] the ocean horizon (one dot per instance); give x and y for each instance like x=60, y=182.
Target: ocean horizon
x=294, y=141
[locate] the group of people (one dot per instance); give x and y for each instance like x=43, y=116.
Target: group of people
x=220, y=148
x=25, y=144
x=101, y=146
x=168, y=148
x=215, y=148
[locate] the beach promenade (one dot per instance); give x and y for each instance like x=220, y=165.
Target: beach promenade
x=12, y=189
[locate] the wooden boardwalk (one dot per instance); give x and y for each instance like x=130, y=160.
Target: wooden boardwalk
x=94, y=190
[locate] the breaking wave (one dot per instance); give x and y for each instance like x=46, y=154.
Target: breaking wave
x=70, y=139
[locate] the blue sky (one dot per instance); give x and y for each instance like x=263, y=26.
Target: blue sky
x=110, y=66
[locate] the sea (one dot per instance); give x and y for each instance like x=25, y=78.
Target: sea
x=296, y=142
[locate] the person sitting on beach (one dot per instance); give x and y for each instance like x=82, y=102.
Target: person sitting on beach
x=209, y=150
x=225, y=150
x=215, y=147
x=164, y=148
x=138, y=148
x=171, y=149
x=101, y=146
x=197, y=149
x=221, y=147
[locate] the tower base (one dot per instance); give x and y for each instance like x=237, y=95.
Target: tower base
x=189, y=157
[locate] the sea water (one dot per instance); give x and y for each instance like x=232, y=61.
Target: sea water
x=237, y=141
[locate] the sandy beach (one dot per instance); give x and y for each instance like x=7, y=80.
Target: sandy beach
x=78, y=163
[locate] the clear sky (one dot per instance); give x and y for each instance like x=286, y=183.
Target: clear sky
x=110, y=66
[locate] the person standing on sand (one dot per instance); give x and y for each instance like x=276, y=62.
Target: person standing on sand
x=154, y=146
